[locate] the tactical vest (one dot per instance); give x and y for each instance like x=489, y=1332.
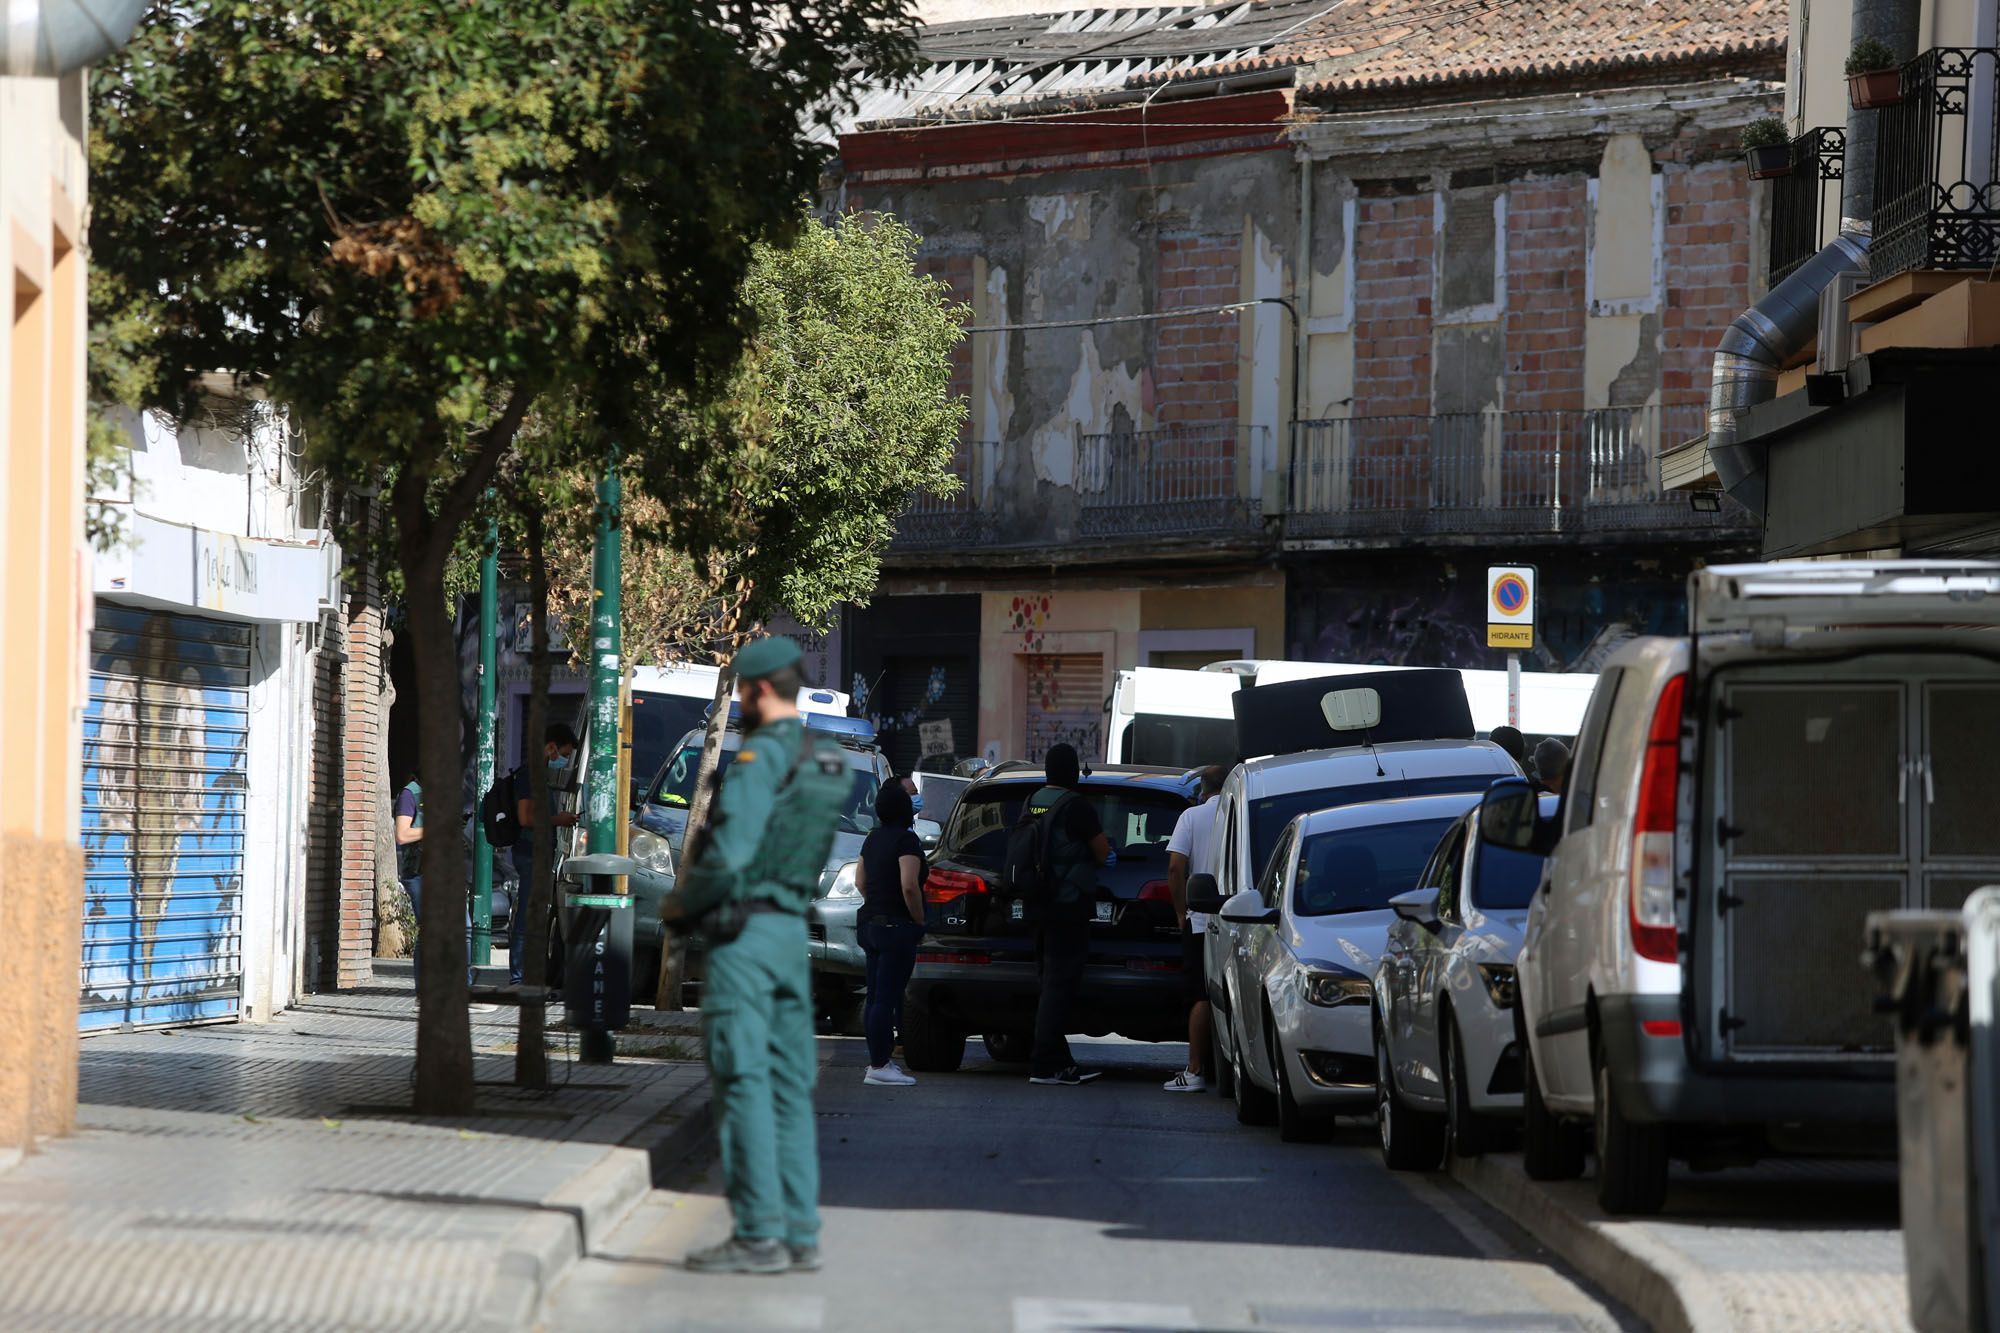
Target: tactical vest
x=805, y=814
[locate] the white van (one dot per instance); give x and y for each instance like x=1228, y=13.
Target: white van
x=1177, y=719
x=670, y=701
x=1819, y=747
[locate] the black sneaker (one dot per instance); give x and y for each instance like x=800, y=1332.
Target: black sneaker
x=805, y=1258
x=737, y=1255
x=1073, y=1077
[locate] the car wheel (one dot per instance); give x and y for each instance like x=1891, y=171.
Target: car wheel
x=1551, y=1147
x=1411, y=1140
x=1221, y=1072
x=1294, y=1125
x=1254, y=1106
x=1469, y=1133
x=646, y=977
x=1009, y=1048
x=844, y=1015
x=1631, y=1157
x=931, y=1045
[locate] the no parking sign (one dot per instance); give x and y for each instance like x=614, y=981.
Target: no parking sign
x=1510, y=607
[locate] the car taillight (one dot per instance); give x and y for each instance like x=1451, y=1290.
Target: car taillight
x=1156, y=891
x=945, y=886
x=1654, y=932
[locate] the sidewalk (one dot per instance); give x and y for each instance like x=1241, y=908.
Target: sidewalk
x=1784, y=1247
x=267, y=1176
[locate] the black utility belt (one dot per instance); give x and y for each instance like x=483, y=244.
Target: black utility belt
x=727, y=921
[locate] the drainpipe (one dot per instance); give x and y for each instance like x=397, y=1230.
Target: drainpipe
x=49, y=38
x=1769, y=333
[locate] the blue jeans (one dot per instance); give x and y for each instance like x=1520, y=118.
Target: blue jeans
x=414, y=886
x=891, y=948
x=517, y=920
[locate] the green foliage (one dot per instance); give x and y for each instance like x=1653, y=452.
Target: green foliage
x=1765, y=132
x=399, y=213
x=1870, y=54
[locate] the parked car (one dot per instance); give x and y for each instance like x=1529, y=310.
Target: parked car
x=1819, y=747
x=976, y=971
x=1448, y=1066
x=839, y=970
x=1300, y=952
x=1259, y=801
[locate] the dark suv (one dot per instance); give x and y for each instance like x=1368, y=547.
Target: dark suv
x=976, y=971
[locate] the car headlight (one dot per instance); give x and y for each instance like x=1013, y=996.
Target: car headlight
x=1499, y=979
x=651, y=851
x=843, y=883
x=1330, y=990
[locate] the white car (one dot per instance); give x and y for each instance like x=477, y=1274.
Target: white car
x=1448, y=1067
x=1818, y=748
x=1306, y=939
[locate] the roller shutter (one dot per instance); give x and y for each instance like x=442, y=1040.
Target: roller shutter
x=165, y=786
x=919, y=689
x=1064, y=702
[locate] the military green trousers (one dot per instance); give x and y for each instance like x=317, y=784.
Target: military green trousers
x=757, y=1017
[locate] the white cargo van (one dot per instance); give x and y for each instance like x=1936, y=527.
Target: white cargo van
x=1176, y=719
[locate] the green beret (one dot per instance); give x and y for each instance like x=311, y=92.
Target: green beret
x=762, y=657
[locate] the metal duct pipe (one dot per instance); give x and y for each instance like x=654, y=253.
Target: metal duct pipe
x=45, y=39
x=1753, y=347
x=1896, y=24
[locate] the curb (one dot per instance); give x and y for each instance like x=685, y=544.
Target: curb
x=573, y=1220
x=1663, y=1289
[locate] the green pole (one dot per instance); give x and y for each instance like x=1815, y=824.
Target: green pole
x=603, y=802
x=489, y=634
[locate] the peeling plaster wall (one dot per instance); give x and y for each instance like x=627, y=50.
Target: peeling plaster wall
x=1103, y=242
x=1621, y=350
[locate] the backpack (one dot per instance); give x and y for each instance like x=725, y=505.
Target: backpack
x=499, y=813
x=1029, y=869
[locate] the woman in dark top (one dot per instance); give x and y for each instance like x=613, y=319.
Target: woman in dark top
x=890, y=876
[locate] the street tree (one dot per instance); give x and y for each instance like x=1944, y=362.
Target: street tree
x=409, y=220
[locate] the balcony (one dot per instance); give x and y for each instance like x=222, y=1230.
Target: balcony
x=1937, y=166
x=1177, y=481
x=949, y=522
x=1805, y=202
x=1504, y=474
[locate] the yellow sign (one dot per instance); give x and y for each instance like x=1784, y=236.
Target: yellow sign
x=1510, y=636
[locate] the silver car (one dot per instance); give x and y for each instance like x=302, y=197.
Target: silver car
x=1448, y=1062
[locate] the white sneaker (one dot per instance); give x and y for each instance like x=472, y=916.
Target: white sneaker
x=1186, y=1082
x=483, y=1008
x=888, y=1076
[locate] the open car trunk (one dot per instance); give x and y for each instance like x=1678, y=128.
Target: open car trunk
x=1849, y=757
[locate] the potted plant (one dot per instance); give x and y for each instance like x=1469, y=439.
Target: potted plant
x=1873, y=80
x=1767, y=150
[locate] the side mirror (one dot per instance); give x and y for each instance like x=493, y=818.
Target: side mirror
x=929, y=832
x=1510, y=817
x=1247, y=909
x=1204, y=895
x=1418, y=905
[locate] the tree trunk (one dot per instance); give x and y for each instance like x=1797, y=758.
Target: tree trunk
x=444, y=1030
x=531, y=1061
x=673, y=945
x=389, y=941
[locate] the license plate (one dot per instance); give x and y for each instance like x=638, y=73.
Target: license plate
x=1018, y=910
x=1104, y=911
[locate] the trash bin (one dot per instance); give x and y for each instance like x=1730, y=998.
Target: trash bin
x=1918, y=959
x=597, y=935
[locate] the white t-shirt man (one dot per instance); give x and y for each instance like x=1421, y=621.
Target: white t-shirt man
x=1193, y=833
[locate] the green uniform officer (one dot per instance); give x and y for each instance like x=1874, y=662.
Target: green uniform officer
x=773, y=826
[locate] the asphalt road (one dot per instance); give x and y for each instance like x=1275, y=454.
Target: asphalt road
x=976, y=1201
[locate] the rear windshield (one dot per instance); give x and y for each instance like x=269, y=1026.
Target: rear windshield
x=1137, y=821
x=1361, y=869
x=675, y=788
x=1504, y=880
x=1179, y=742
x=1269, y=816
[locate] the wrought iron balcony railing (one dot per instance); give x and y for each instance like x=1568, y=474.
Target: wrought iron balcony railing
x=1805, y=202
x=1500, y=473
x=961, y=519
x=1183, y=481
x=1937, y=166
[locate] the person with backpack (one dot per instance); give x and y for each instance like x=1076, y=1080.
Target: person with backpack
x=1070, y=846
x=558, y=752
x=747, y=891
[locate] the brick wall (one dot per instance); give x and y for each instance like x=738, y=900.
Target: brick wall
x=1708, y=233
x=1546, y=240
x=1392, y=305
x=1195, y=359
x=362, y=798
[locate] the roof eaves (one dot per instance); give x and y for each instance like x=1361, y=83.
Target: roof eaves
x=1533, y=69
